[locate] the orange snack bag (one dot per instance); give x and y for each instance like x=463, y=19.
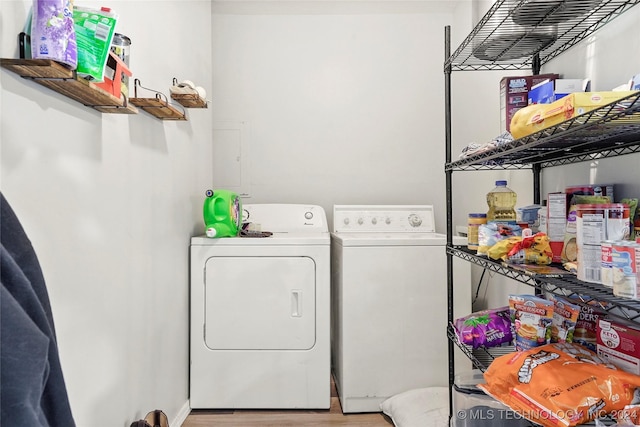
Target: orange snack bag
x=560, y=384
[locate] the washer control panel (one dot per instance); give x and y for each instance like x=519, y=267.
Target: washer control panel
x=383, y=218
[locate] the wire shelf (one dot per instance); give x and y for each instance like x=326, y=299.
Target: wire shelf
x=514, y=34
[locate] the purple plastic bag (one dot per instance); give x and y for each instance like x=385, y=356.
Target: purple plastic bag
x=53, y=33
x=486, y=328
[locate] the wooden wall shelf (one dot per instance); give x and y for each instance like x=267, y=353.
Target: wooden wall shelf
x=58, y=78
x=189, y=100
x=158, y=108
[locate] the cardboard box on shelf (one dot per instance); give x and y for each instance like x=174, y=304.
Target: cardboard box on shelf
x=564, y=87
x=549, y=91
x=556, y=223
x=542, y=93
x=618, y=342
x=514, y=95
x=634, y=84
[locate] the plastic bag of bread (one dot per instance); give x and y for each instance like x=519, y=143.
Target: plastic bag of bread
x=560, y=384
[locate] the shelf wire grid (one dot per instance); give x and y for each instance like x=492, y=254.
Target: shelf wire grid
x=611, y=130
x=513, y=32
x=584, y=293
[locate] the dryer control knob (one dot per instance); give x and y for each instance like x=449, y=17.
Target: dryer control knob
x=346, y=221
x=360, y=221
x=374, y=221
x=308, y=215
x=387, y=221
x=415, y=220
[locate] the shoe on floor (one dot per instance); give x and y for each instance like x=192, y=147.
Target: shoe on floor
x=157, y=418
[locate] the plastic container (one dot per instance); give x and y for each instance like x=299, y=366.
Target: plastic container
x=474, y=222
x=121, y=46
x=222, y=213
x=502, y=201
x=529, y=215
x=53, y=33
x=472, y=407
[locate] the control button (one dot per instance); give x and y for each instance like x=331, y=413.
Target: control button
x=374, y=221
x=346, y=221
x=360, y=221
x=387, y=221
x=415, y=220
x=308, y=215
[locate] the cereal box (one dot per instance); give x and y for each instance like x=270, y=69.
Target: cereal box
x=532, y=318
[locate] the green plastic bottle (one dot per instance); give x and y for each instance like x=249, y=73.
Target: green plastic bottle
x=222, y=213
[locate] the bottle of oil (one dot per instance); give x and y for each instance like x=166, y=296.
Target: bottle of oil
x=501, y=201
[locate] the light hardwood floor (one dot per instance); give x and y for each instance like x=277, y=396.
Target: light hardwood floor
x=287, y=418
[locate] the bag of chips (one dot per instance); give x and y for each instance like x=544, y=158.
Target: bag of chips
x=561, y=384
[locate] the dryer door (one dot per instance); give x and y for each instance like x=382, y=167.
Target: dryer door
x=260, y=303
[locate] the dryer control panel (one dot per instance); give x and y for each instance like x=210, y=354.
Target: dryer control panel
x=383, y=218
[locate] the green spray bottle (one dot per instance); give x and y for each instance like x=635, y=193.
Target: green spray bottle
x=222, y=213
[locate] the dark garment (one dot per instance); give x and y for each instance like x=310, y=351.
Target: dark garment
x=32, y=387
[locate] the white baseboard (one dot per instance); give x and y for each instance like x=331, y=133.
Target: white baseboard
x=182, y=415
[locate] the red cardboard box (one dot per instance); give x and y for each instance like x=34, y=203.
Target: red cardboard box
x=618, y=342
x=514, y=95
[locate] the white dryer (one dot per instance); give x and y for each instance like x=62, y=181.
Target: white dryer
x=260, y=315
x=389, y=303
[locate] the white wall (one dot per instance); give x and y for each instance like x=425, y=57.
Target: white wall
x=109, y=202
x=341, y=102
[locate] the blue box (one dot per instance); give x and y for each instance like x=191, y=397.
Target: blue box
x=542, y=93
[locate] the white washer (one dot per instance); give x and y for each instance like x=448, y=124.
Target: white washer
x=260, y=315
x=389, y=303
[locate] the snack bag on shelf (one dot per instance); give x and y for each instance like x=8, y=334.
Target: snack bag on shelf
x=565, y=317
x=493, y=232
x=560, y=384
x=586, y=330
x=527, y=249
x=486, y=328
x=531, y=317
